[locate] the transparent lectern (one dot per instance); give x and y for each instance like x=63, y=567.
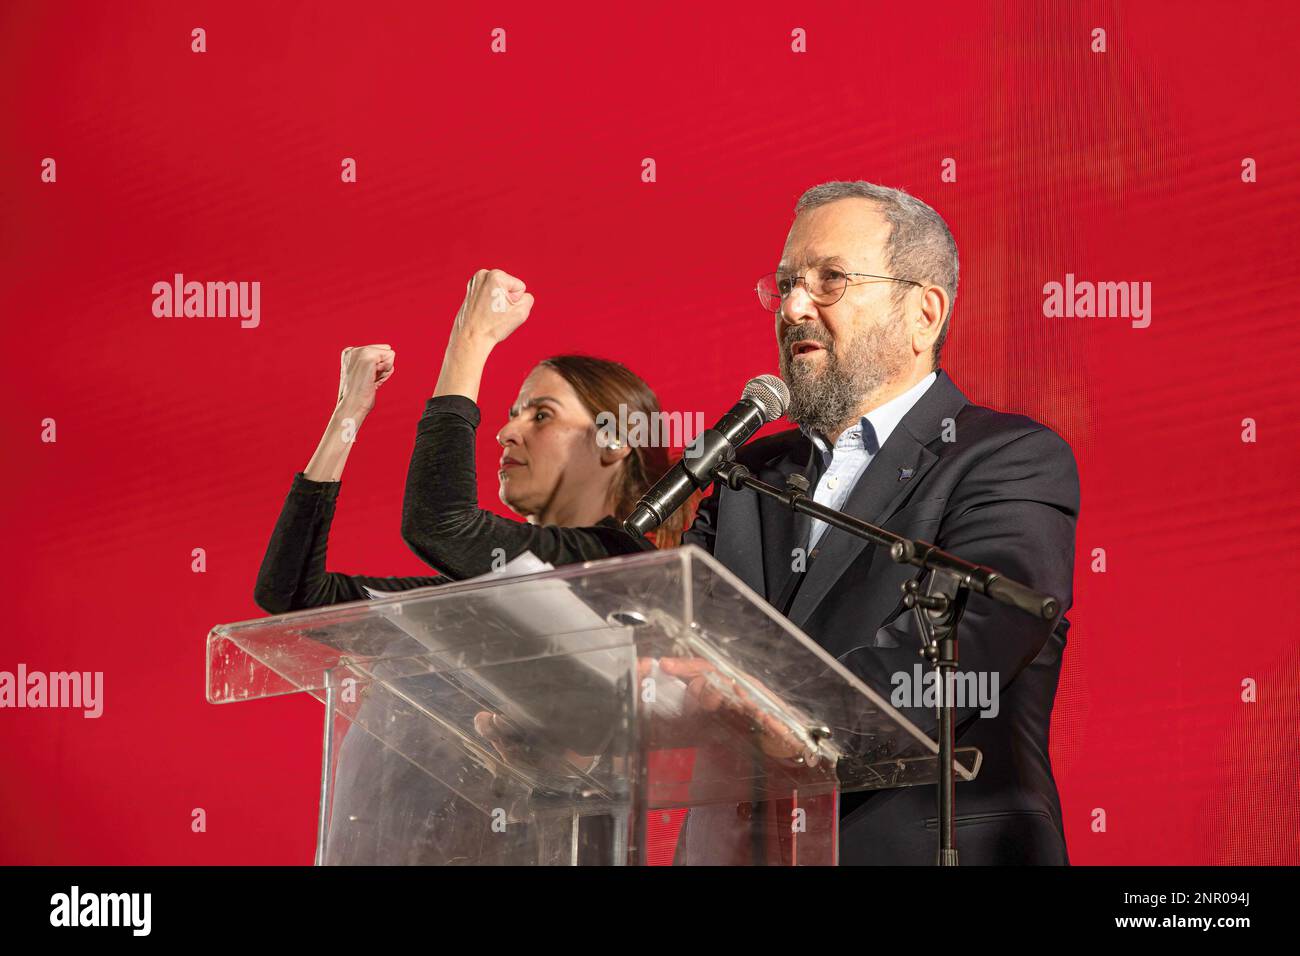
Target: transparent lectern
x=561, y=718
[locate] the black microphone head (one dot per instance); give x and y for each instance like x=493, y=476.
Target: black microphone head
x=770, y=394
x=642, y=520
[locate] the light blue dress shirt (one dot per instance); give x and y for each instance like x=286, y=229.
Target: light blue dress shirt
x=844, y=464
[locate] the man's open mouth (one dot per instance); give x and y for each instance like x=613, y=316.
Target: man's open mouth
x=805, y=348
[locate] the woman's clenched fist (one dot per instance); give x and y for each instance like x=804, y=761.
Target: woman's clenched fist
x=496, y=303
x=364, y=369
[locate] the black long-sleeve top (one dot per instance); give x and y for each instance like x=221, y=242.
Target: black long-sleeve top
x=441, y=523
x=293, y=575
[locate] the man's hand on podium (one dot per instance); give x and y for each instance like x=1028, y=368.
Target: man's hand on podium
x=712, y=692
x=517, y=751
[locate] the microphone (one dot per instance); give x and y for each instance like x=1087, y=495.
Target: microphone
x=764, y=400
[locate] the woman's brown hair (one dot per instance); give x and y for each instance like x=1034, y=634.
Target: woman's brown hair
x=602, y=386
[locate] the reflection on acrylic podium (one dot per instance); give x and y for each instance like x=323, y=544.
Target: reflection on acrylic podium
x=545, y=719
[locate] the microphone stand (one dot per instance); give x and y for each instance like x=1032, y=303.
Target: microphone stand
x=938, y=610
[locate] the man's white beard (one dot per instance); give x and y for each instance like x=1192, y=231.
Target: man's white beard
x=828, y=398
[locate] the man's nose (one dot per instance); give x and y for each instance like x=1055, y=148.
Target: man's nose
x=798, y=306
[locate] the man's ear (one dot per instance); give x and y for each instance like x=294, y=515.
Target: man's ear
x=928, y=321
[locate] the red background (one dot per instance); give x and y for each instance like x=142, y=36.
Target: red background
x=183, y=433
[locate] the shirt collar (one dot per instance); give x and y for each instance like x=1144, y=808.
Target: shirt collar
x=875, y=427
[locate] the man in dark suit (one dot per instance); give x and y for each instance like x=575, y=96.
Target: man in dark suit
x=862, y=299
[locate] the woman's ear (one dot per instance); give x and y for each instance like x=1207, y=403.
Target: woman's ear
x=614, y=451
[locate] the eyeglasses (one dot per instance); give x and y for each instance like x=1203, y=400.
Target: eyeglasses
x=823, y=284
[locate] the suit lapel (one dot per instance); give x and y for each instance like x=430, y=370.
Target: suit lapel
x=782, y=530
x=760, y=534
x=880, y=490
x=739, y=551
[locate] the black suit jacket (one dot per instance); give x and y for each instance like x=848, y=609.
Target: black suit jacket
x=996, y=489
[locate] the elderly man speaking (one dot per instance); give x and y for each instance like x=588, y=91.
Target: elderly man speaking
x=862, y=298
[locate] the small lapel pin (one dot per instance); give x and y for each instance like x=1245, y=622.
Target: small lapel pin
x=905, y=473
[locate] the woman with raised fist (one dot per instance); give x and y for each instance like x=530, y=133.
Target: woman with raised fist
x=571, y=482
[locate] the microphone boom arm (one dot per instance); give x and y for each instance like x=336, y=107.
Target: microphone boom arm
x=922, y=554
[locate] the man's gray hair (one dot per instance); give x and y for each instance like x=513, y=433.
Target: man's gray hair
x=920, y=246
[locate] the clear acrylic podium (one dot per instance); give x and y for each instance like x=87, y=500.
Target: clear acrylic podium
x=547, y=719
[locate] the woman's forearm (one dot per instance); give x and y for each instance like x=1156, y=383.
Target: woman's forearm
x=462, y=366
x=335, y=445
